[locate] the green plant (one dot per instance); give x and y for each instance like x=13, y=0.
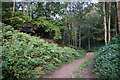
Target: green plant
x=18, y=21
x=24, y=55
x=107, y=62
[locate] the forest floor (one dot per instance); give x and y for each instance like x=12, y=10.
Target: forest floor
x=67, y=70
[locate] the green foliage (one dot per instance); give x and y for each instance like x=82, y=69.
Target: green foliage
x=18, y=20
x=48, y=25
x=26, y=56
x=52, y=26
x=107, y=62
x=115, y=40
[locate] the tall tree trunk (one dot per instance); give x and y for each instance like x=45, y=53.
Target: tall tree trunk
x=89, y=44
x=116, y=20
x=75, y=42
x=23, y=7
x=76, y=38
x=105, y=25
x=27, y=8
x=64, y=33
x=69, y=41
x=64, y=38
x=72, y=35
x=30, y=10
x=79, y=37
x=68, y=34
x=118, y=13
x=109, y=22
x=13, y=8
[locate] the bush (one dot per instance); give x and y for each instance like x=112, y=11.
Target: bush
x=107, y=62
x=26, y=56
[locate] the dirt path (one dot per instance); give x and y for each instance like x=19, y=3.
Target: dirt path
x=66, y=71
x=87, y=73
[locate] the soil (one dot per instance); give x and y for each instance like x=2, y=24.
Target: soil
x=67, y=70
x=87, y=73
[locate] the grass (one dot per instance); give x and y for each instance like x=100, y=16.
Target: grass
x=82, y=67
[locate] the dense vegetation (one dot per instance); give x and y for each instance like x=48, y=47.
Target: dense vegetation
x=78, y=24
x=73, y=25
x=26, y=56
x=107, y=61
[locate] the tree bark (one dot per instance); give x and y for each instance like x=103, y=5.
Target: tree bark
x=72, y=35
x=69, y=41
x=79, y=37
x=118, y=14
x=13, y=8
x=23, y=7
x=27, y=9
x=30, y=11
x=76, y=38
x=109, y=22
x=89, y=44
x=64, y=33
x=105, y=25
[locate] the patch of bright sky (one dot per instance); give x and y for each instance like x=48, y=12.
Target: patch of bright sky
x=94, y=1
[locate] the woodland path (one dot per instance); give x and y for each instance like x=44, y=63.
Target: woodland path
x=66, y=71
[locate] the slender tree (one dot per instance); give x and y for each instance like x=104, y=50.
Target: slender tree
x=104, y=22
x=89, y=43
x=79, y=33
x=116, y=20
x=13, y=7
x=118, y=14
x=109, y=22
x=27, y=8
x=23, y=7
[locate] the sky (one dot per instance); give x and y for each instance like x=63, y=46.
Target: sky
x=94, y=1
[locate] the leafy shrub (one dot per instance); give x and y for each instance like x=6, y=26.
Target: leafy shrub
x=116, y=40
x=26, y=56
x=107, y=61
x=19, y=22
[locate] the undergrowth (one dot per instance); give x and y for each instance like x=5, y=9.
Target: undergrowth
x=25, y=56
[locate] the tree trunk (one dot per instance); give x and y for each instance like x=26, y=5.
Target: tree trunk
x=116, y=20
x=64, y=34
x=30, y=11
x=69, y=41
x=72, y=35
x=76, y=38
x=105, y=25
x=89, y=45
x=23, y=7
x=109, y=22
x=75, y=42
x=64, y=38
x=118, y=14
x=79, y=37
x=27, y=9
x=13, y=8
